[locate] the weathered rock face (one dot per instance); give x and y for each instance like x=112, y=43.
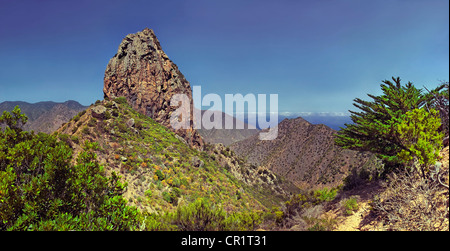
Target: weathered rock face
x=142, y=72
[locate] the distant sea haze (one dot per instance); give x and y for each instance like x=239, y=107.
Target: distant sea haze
x=334, y=120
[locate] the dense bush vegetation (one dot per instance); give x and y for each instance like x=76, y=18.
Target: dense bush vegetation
x=406, y=128
x=418, y=133
x=304, y=211
x=41, y=189
x=202, y=216
x=399, y=126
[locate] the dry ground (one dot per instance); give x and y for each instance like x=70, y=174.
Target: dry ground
x=362, y=219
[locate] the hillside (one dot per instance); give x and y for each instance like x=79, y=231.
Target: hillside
x=304, y=154
x=163, y=171
x=227, y=136
x=44, y=116
x=411, y=196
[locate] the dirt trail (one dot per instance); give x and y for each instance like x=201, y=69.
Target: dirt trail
x=363, y=194
x=353, y=222
x=361, y=220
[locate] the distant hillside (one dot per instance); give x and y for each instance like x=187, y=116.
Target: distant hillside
x=333, y=120
x=227, y=136
x=45, y=116
x=303, y=153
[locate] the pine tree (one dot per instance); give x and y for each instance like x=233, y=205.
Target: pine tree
x=374, y=128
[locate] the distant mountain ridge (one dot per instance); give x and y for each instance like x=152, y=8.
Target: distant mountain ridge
x=331, y=119
x=303, y=153
x=227, y=136
x=45, y=116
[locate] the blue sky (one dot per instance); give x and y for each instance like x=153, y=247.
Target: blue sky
x=316, y=55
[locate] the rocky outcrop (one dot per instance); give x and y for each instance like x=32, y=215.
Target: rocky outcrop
x=99, y=112
x=144, y=74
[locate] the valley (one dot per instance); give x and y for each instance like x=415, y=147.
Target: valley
x=119, y=164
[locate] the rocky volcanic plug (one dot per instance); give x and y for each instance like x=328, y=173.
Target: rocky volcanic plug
x=144, y=74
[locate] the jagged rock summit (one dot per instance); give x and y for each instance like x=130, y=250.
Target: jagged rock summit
x=144, y=74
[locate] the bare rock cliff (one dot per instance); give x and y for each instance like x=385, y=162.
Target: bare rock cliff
x=144, y=74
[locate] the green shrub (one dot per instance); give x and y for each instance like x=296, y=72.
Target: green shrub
x=418, y=130
x=76, y=118
x=51, y=193
x=85, y=130
x=176, y=192
x=199, y=216
x=148, y=193
x=160, y=175
x=122, y=127
x=64, y=138
x=92, y=122
x=121, y=100
x=139, y=125
x=167, y=196
x=176, y=182
x=279, y=216
x=350, y=206
x=242, y=221
x=75, y=139
x=325, y=194
x=154, y=222
x=107, y=115
x=109, y=104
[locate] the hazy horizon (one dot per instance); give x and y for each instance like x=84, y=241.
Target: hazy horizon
x=316, y=55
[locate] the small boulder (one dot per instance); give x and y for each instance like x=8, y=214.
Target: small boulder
x=130, y=122
x=197, y=162
x=98, y=112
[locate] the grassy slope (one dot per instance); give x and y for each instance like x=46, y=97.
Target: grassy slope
x=161, y=171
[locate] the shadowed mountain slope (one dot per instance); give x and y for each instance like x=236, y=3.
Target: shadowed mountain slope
x=303, y=153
